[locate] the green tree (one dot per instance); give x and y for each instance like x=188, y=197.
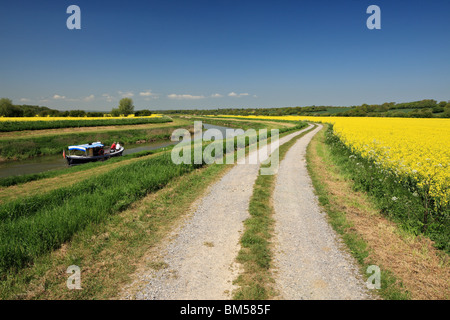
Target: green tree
x=446, y=113
x=142, y=113
x=7, y=109
x=438, y=109
x=126, y=106
x=28, y=113
x=115, y=112
x=77, y=113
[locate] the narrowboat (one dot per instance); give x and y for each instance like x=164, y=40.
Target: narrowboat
x=90, y=152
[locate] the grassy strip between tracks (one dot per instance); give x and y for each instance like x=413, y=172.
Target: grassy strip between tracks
x=256, y=282
x=109, y=246
x=411, y=268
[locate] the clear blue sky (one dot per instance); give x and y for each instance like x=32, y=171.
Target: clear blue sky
x=223, y=53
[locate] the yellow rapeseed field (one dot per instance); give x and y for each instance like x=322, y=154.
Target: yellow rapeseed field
x=407, y=147
x=73, y=118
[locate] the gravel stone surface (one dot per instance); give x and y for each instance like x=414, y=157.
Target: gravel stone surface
x=310, y=259
x=200, y=257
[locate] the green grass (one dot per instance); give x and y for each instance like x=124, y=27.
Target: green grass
x=16, y=180
x=32, y=226
x=6, y=126
x=256, y=256
x=109, y=252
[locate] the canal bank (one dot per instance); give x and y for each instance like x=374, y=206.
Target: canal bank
x=54, y=162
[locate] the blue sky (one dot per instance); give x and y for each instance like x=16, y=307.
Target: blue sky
x=223, y=53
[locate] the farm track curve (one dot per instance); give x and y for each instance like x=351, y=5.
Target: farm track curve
x=200, y=255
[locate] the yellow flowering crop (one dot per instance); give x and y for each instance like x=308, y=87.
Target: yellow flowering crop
x=106, y=117
x=408, y=147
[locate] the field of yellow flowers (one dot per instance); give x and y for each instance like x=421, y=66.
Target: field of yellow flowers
x=106, y=117
x=409, y=148
x=38, y=123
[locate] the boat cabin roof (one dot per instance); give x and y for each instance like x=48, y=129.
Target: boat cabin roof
x=84, y=147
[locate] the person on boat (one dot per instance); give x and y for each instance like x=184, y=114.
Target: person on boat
x=118, y=146
x=101, y=152
x=113, y=147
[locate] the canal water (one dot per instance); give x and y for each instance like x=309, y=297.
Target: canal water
x=47, y=163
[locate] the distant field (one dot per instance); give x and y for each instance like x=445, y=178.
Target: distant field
x=39, y=123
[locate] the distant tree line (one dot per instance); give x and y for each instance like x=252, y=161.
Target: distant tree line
x=250, y=111
x=8, y=109
x=427, y=108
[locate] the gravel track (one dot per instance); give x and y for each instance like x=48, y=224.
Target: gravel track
x=309, y=257
x=200, y=257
